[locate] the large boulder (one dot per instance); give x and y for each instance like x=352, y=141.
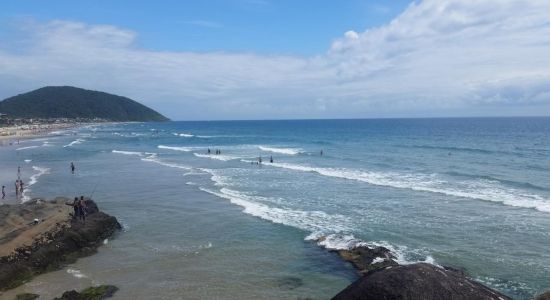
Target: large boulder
x=417, y=281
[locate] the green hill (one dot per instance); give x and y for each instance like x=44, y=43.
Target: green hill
x=71, y=102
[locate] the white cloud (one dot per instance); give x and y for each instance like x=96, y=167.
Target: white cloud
x=439, y=57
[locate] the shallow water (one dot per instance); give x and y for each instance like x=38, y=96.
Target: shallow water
x=470, y=193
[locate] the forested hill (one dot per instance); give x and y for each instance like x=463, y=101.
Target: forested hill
x=71, y=102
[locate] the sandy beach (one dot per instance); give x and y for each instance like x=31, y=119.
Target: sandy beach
x=10, y=134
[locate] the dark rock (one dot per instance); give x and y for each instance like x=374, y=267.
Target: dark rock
x=91, y=293
x=417, y=281
x=26, y=296
x=66, y=245
x=545, y=296
x=363, y=258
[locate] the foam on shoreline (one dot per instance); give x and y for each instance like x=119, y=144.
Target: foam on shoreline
x=33, y=180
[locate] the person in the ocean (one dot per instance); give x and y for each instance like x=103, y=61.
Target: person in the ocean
x=208, y=150
x=321, y=152
x=72, y=167
x=271, y=159
x=3, y=192
x=260, y=160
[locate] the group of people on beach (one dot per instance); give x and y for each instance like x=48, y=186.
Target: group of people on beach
x=80, y=208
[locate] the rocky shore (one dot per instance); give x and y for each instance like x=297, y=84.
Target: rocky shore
x=383, y=278
x=39, y=236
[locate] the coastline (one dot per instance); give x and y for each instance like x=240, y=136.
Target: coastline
x=41, y=236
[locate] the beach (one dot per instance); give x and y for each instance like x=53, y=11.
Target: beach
x=11, y=134
x=199, y=226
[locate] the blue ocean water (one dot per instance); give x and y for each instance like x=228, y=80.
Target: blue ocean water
x=469, y=193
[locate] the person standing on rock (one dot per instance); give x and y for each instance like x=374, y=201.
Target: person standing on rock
x=83, y=208
x=3, y=192
x=75, y=205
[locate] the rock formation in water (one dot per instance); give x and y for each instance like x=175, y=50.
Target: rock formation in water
x=61, y=243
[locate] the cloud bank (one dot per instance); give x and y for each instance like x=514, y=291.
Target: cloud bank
x=438, y=58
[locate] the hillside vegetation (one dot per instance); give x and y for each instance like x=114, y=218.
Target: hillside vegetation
x=71, y=102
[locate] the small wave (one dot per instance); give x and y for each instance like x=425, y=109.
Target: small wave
x=187, y=135
x=28, y=160
x=318, y=223
x=458, y=149
x=216, y=156
x=218, y=179
x=33, y=179
x=28, y=147
x=473, y=189
x=75, y=142
x=127, y=152
x=287, y=151
x=306, y=220
x=184, y=149
x=495, y=179
x=152, y=157
x=341, y=241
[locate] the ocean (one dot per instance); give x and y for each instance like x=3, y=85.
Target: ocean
x=471, y=193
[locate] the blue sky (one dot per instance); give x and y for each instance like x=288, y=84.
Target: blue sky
x=265, y=59
x=261, y=26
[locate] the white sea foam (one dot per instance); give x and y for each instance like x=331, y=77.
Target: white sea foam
x=75, y=142
x=33, y=179
x=128, y=152
x=332, y=227
x=28, y=160
x=377, y=260
x=216, y=156
x=306, y=220
x=218, y=179
x=335, y=241
x=76, y=273
x=28, y=147
x=287, y=151
x=188, y=135
x=475, y=189
x=184, y=149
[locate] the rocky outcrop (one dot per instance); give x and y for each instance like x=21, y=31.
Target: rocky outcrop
x=63, y=245
x=417, y=281
x=366, y=259
x=545, y=296
x=91, y=293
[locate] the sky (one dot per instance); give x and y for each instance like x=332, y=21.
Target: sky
x=284, y=59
